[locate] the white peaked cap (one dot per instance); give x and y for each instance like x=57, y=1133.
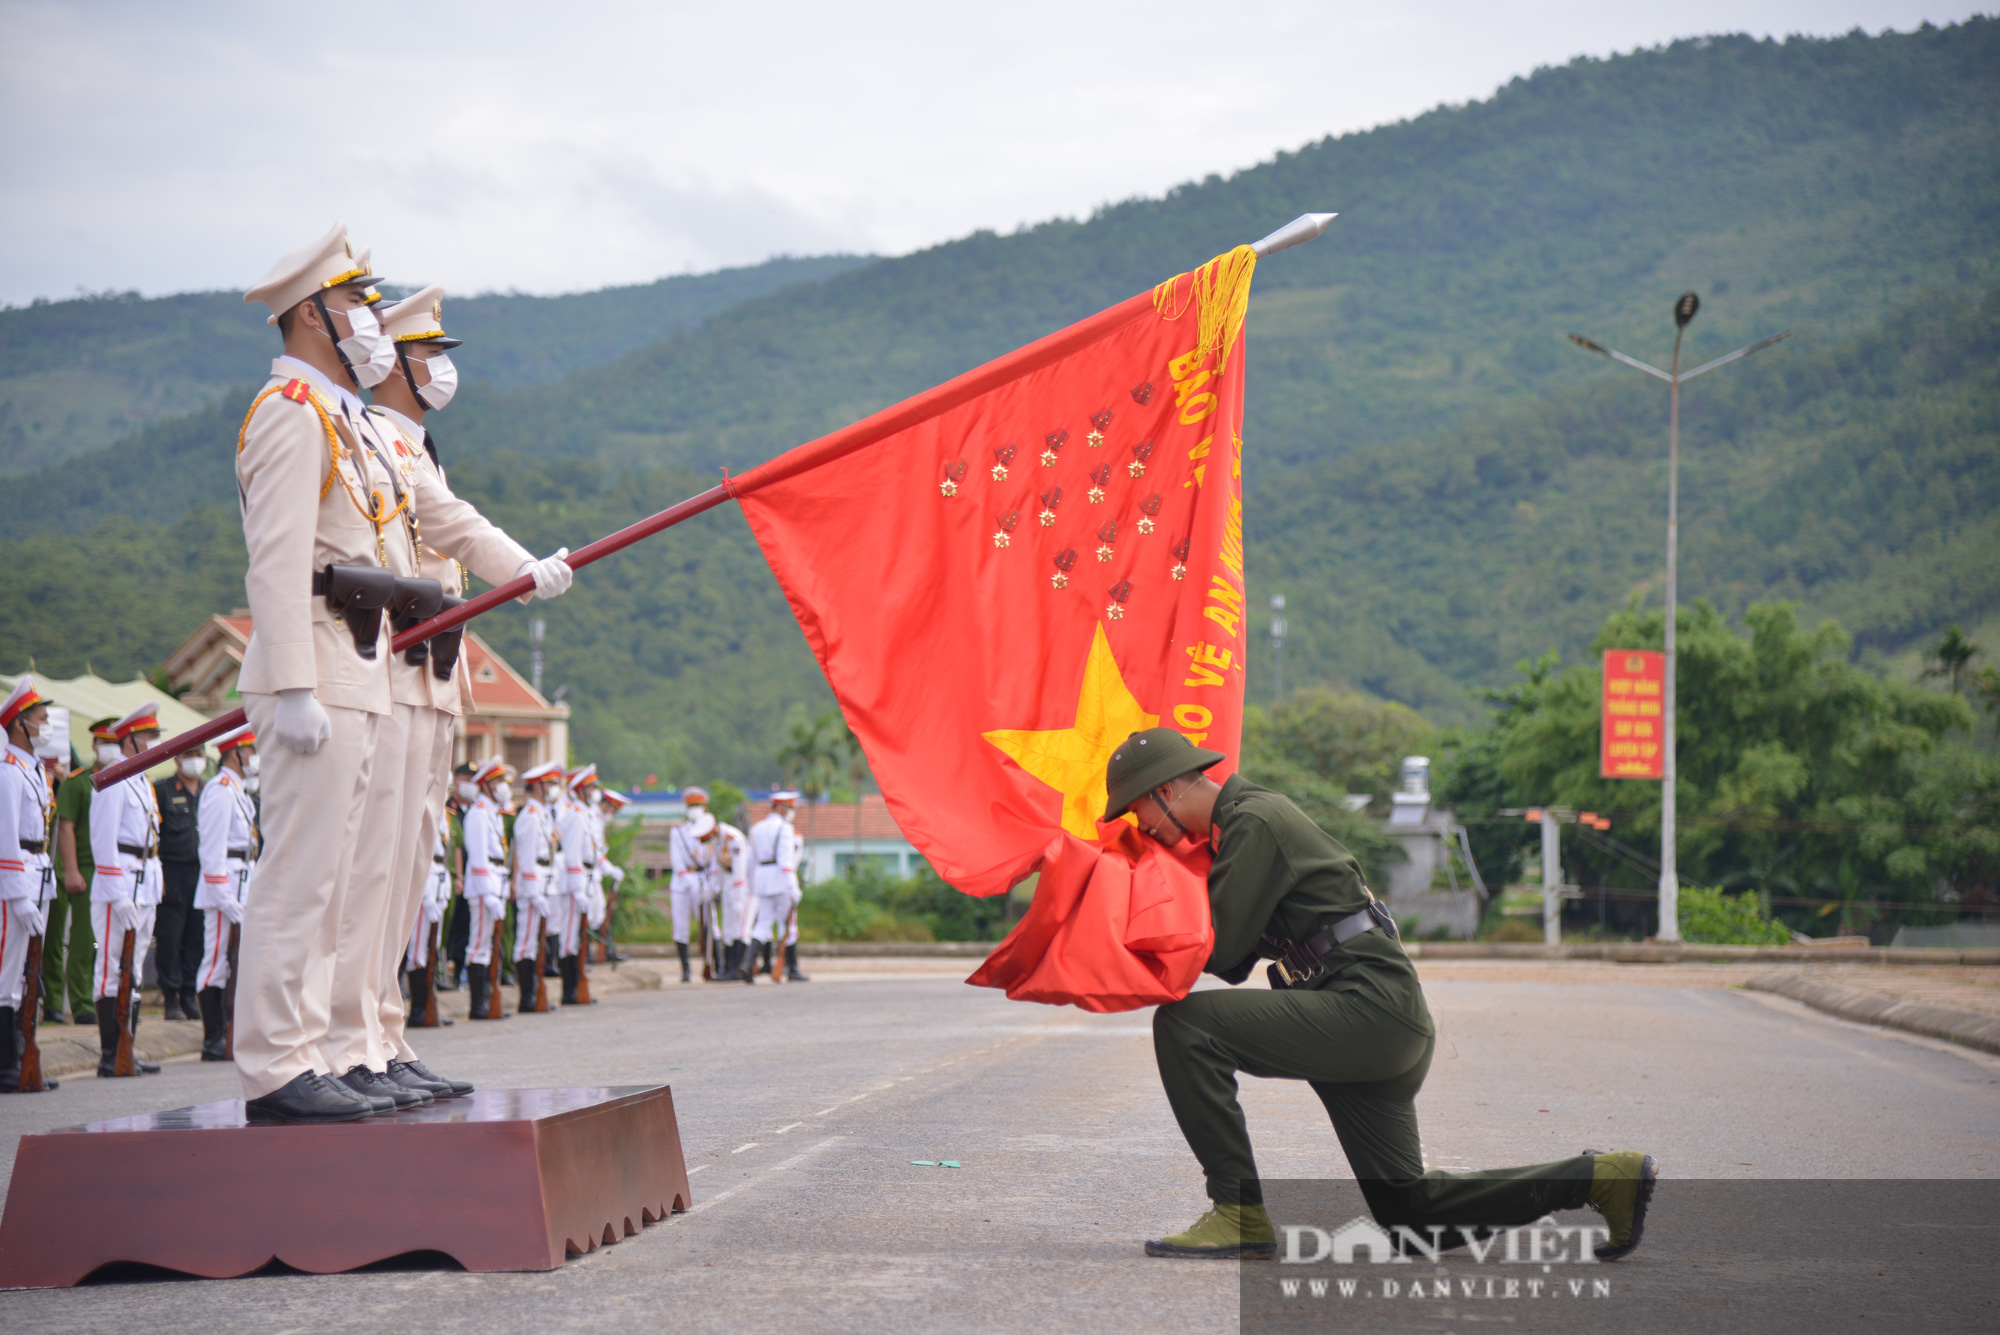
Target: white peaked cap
x=418, y=319
x=328, y=262
x=784, y=795
x=23, y=697
x=552, y=769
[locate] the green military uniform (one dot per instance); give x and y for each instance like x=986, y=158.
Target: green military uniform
x=69, y=945
x=1359, y=1033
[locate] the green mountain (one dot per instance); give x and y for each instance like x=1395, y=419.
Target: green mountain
x=1439, y=482
x=78, y=375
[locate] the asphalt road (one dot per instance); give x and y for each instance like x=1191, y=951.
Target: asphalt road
x=802, y=1106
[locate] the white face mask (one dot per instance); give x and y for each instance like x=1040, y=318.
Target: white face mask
x=596, y=798
x=252, y=784
x=503, y=793
x=108, y=753
x=190, y=767
x=467, y=791
x=250, y=767
x=437, y=392
x=368, y=350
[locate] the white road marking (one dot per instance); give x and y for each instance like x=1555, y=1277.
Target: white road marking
x=824, y=1111
x=751, y=1146
x=722, y=1196
x=783, y=1129
x=703, y=1169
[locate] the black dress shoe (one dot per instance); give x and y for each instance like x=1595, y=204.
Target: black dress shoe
x=306, y=1097
x=84, y=1015
x=459, y=1088
x=403, y=1077
x=170, y=1006
x=145, y=1067
x=380, y=1087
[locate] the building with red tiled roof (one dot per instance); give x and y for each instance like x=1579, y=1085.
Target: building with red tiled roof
x=508, y=714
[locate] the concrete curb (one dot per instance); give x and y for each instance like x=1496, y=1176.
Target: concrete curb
x=1953, y=1024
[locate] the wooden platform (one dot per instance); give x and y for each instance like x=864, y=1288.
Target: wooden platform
x=511, y=1179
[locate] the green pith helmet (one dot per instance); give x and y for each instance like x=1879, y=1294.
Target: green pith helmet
x=1145, y=760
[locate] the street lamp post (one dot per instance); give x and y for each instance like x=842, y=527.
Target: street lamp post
x=1684, y=311
x=1278, y=643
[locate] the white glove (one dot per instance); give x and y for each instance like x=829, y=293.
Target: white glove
x=301, y=724
x=29, y=914
x=232, y=909
x=552, y=575
x=125, y=916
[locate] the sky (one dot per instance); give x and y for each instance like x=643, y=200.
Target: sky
x=507, y=146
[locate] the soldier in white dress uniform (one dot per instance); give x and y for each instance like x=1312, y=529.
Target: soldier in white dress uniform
x=446, y=538
x=690, y=855
x=27, y=876
x=581, y=834
x=486, y=884
x=227, y=822
x=125, y=892
x=536, y=876
x=774, y=881
x=734, y=905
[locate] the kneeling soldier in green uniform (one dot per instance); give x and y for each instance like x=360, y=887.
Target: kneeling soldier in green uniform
x=1346, y=1014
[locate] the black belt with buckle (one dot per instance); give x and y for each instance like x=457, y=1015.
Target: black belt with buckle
x=1297, y=963
x=136, y=850
x=242, y=853
x=35, y=846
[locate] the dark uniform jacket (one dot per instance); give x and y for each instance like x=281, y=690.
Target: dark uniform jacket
x=1277, y=872
x=180, y=839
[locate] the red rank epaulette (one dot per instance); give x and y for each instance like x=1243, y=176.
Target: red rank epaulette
x=298, y=391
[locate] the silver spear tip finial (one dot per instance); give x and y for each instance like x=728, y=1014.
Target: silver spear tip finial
x=1306, y=227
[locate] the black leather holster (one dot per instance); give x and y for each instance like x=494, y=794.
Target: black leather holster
x=358, y=595
x=444, y=644
x=412, y=601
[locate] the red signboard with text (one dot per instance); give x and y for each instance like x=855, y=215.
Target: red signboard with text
x=1635, y=683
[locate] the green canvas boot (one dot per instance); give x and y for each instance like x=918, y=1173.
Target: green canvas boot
x=1226, y=1231
x=1621, y=1187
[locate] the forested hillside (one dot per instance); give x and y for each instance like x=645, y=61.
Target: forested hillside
x=1439, y=482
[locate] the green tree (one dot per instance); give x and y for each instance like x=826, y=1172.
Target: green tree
x=812, y=754
x=1949, y=656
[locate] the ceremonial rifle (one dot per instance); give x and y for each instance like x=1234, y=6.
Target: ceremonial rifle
x=541, y=958
x=229, y=996
x=31, y=997
x=123, y=1064
x=493, y=1007
x=429, y=1019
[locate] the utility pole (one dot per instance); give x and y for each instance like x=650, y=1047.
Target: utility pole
x=536, y=629
x=1278, y=644
x=1684, y=311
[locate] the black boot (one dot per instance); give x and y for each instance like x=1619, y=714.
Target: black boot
x=552, y=958
x=682, y=948
x=139, y=1063
x=214, y=1031
x=792, y=974
x=524, y=973
x=190, y=1007
x=566, y=966
x=476, y=975
x=728, y=973
x=170, y=1004
x=746, y=961
x=10, y=1053
x=107, y=1037
x=767, y=963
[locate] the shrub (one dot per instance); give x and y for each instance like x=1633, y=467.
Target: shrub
x=1711, y=918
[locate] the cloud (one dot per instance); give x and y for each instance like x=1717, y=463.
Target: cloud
x=508, y=144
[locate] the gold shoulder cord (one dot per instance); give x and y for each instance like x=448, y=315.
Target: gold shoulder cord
x=374, y=512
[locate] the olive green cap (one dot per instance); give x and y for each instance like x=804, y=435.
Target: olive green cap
x=1147, y=759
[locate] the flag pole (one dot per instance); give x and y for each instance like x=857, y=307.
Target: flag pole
x=443, y=621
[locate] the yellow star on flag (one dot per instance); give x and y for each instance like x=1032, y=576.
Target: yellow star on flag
x=1071, y=760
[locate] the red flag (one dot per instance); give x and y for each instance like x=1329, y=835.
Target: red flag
x=1003, y=578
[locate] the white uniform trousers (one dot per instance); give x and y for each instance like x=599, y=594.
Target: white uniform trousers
x=214, y=970
x=312, y=827
x=568, y=921
x=774, y=917
x=485, y=913
x=14, y=937
x=111, y=945
x=420, y=806
x=437, y=893
x=690, y=891
x=738, y=910
x=530, y=926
